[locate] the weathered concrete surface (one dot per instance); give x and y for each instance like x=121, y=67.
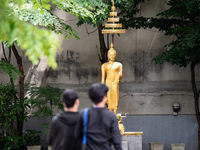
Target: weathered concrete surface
x=167, y=129
x=125, y=145
x=156, y=146
x=34, y=147
x=134, y=142
x=178, y=146
x=150, y=98
x=37, y=74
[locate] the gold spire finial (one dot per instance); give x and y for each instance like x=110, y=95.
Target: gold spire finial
x=111, y=45
x=113, y=2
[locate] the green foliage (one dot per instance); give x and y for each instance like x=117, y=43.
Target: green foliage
x=47, y=127
x=9, y=69
x=46, y=19
x=80, y=8
x=12, y=143
x=34, y=16
x=126, y=10
x=100, y=10
x=37, y=42
x=182, y=21
x=32, y=137
x=16, y=16
x=185, y=49
x=41, y=97
x=7, y=113
x=10, y=109
x=62, y=28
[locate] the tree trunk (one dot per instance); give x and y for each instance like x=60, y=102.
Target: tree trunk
x=196, y=99
x=21, y=88
x=103, y=49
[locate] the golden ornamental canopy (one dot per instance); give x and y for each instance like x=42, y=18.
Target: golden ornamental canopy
x=113, y=27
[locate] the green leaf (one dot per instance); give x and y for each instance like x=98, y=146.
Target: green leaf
x=9, y=69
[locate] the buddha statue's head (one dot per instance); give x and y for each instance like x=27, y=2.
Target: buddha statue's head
x=111, y=53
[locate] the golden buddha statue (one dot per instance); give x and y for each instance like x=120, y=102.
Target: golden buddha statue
x=111, y=75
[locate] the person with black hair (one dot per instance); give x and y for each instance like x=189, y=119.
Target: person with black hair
x=102, y=126
x=61, y=136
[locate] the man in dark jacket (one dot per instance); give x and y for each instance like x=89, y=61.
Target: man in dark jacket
x=102, y=128
x=61, y=136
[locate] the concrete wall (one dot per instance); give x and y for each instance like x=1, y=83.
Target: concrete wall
x=164, y=128
x=147, y=90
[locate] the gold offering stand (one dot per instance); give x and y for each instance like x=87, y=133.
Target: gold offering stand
x=122, y=128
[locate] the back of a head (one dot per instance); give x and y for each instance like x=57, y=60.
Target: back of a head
x=97, y=91
x=69, y=97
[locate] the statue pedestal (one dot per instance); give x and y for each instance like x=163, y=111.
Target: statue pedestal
x=132, y=141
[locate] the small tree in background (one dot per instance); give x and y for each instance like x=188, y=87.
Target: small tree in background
x=44, y=98
x=10, y=110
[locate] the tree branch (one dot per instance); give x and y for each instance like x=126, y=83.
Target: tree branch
x=88, y=33
x=103, y=49
x=108, y=41
x=20, y=66
x=21, y=88
x=4, y=52
x=9, y=56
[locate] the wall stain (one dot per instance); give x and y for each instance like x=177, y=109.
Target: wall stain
x=141, y=103
x=82, y=73
x=142, y=64
x=95, y=72
x=69, y=64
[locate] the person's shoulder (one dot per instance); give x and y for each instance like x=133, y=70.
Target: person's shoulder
x=82, y=110
x=55, y=118
x=109, y=113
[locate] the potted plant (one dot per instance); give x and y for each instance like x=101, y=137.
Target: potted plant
x=32, y=139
